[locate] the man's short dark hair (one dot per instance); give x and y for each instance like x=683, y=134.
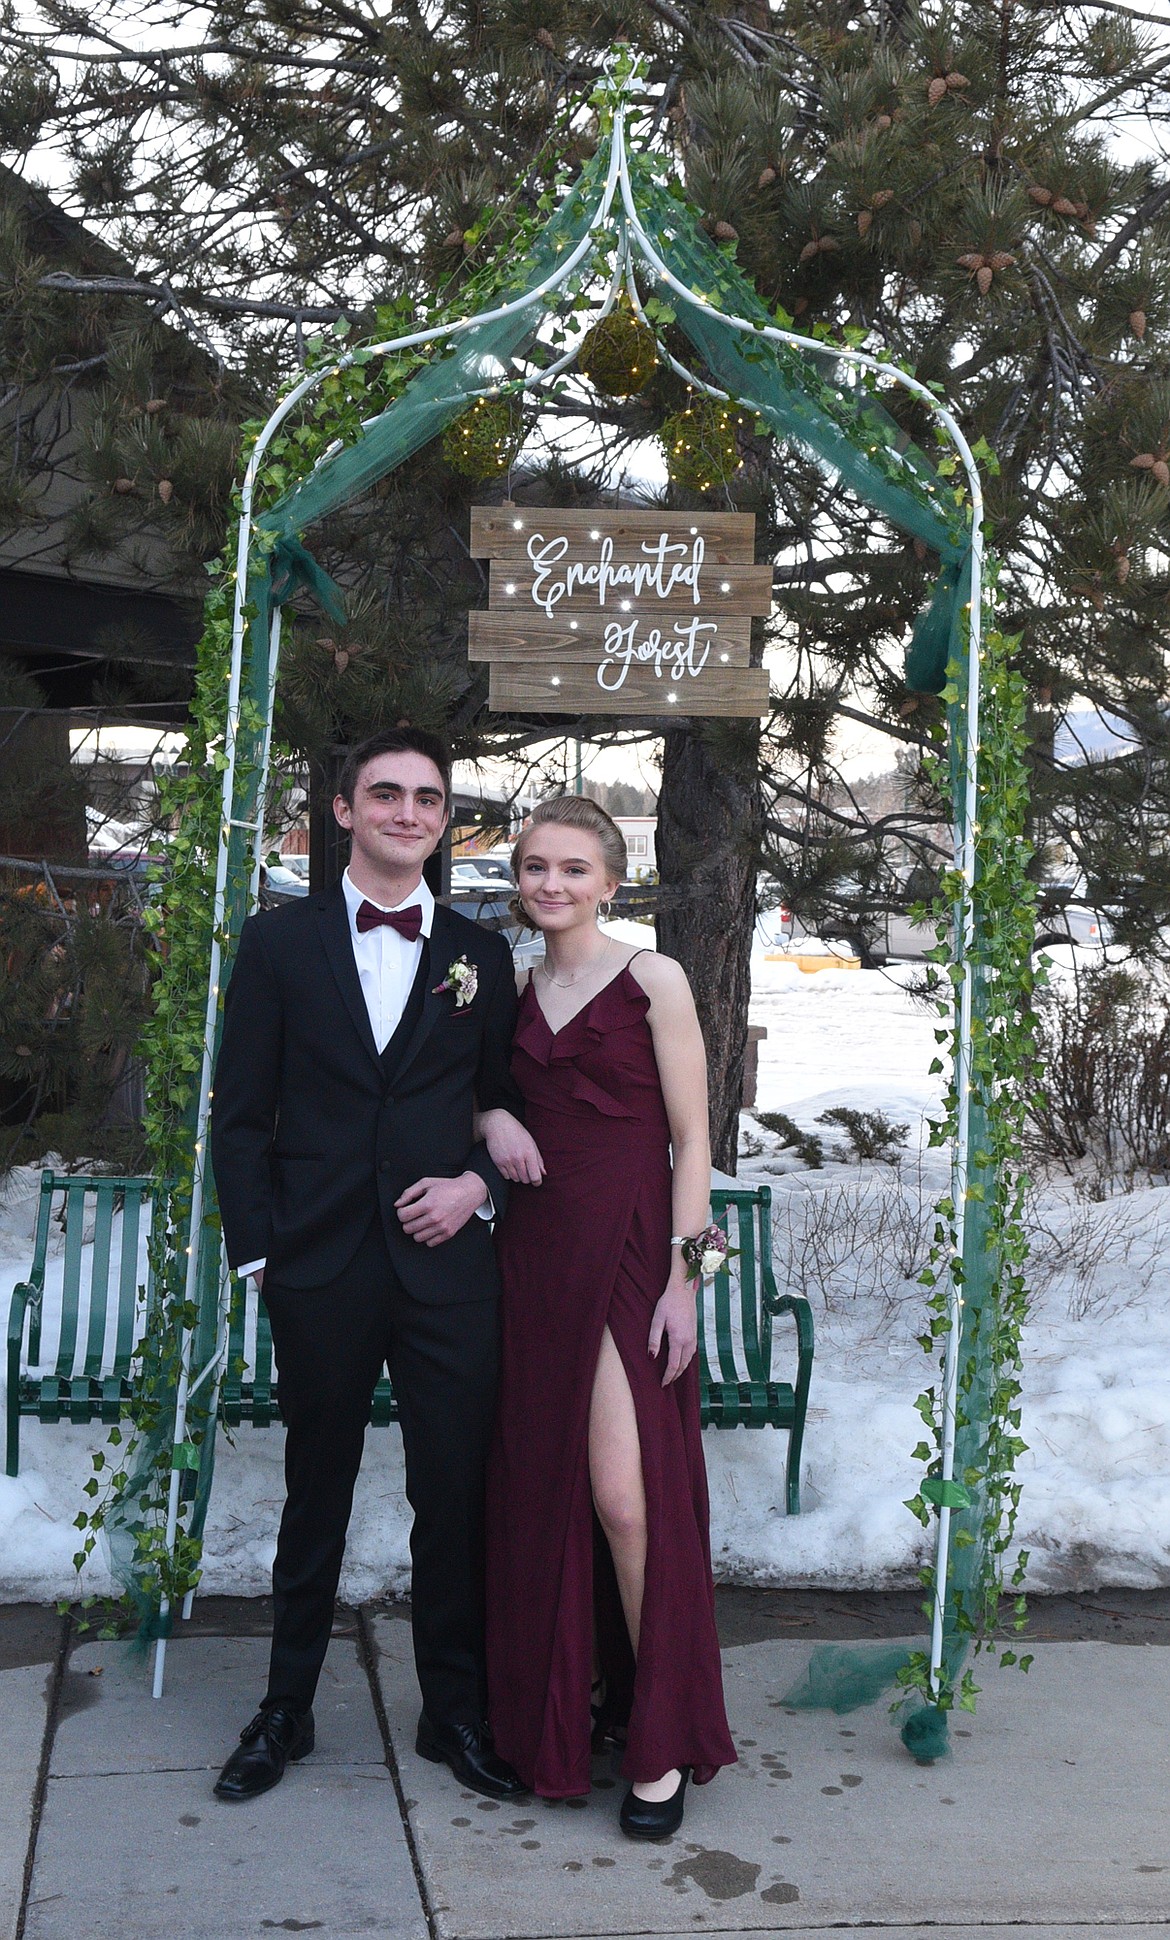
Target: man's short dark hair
x=399, y=740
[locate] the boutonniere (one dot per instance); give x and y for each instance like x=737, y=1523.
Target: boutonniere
x=463, y=978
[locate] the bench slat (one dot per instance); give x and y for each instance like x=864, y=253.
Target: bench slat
x=99, y=1282
x=263, y=1411
x=128, y=1277
x=71, y=1277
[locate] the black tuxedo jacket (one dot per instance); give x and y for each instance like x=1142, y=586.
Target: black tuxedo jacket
x=313, y=1135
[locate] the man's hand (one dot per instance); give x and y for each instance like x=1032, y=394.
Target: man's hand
x=512, y=1149
x=433, y=1210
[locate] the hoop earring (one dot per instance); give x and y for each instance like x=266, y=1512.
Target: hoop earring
x=604, y=910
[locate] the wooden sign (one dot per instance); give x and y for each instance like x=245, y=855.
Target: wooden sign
x=602, y=612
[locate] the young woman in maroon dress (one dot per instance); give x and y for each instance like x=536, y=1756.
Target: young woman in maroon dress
x=598, y=1550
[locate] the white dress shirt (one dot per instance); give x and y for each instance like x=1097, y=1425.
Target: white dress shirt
x=387, y=965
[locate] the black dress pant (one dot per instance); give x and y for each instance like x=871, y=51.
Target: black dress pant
x=330, y=1343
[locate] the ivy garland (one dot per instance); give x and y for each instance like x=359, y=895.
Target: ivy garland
x=990, y=1270
x=136, y=1478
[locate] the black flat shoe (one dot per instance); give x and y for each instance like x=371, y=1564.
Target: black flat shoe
x=649, y=1819
x=275, y=1738
x=469, y=1752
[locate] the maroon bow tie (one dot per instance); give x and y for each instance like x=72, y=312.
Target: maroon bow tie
x=408, y=922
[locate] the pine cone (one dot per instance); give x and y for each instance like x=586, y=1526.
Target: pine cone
x=915, y=232
x=971, y=261
x=341, y=660
x=1001, y=260
x=767, y=177
x=984, y=277
x=864, y=222
x=724, y=232
x=879, y=200
x=1123, y=567
x=453, y=239
x=908, y=706
x=1042, y=196
x=810, y=250
x=166, y=490
x=1161, y=471
x=124, y=486
x=920, y=549
x=936, y=92
x=1144, y=462
x=1061, y=206
x=1137, y=323
x=154, y=404
x=957, y=80
x=883, y=121
x=545, y=38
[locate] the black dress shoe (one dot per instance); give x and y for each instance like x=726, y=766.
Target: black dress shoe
x=471, y=1755
x=275, y=1738
x=647, y=1819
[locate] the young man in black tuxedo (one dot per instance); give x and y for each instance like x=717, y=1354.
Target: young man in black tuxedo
x=361, y=1030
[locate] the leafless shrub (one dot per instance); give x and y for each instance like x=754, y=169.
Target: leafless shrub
x=1103, y=1112
x=856, y=1241
x=1096, y=1258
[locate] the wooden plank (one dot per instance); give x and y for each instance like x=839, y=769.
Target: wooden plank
x=497, y=636
x=736, y=591
x=721, y=690
x=496, y=535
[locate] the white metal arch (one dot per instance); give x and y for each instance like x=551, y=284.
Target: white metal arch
x=617, y=182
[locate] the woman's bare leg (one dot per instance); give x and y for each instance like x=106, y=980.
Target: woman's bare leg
x=619, y=1496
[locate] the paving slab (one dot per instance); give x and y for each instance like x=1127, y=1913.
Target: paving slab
x=111, y=1723
x=1128, y=1930
x=140, y=1854
x=1051, y=1812
x=132, y=1843
x=24, y=1693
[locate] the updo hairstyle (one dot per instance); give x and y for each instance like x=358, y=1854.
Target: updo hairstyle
x=573, y=812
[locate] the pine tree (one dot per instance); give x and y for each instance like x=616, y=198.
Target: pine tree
x=940, y=181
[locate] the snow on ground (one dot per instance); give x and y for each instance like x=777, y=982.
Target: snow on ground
x=1096, y=1506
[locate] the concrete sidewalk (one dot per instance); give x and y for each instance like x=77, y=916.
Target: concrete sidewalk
x=1050, y=1817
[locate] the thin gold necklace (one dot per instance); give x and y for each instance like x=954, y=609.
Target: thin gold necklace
x=566, y=983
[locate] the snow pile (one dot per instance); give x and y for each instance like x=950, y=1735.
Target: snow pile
x=1096, y=1506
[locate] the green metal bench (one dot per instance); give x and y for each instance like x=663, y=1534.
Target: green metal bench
x=736, y=1310
x=78, y=1369
x=89, y=1376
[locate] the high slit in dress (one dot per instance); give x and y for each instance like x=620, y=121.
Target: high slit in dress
x=590, y=1247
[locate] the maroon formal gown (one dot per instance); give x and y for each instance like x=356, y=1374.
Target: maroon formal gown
x=590, y=1248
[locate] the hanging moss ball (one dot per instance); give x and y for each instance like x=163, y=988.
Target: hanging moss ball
x=485, y=440
x=699, y=443
x=619, y=355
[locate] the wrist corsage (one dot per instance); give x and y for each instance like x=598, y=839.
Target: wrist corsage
x=705, y=1253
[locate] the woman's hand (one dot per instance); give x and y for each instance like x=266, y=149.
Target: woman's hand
x=676, y=1321
x=513, y=1151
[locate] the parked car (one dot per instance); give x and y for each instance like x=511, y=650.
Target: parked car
x=280, y=885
